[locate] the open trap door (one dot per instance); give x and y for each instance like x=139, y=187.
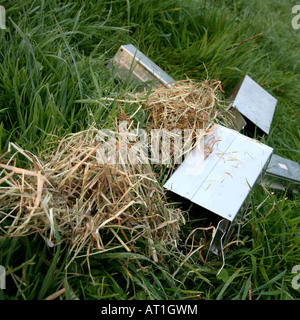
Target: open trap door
x=254, y=103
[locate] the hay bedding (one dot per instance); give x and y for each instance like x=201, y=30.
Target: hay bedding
x=102, y=206
x=190, y=107
x=186, y=105
x=88, y=203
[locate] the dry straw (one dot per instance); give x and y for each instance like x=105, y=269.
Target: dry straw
x=90, y=204
x=103, y=206
x=188, y=106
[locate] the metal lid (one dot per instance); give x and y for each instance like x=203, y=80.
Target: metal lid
x=255, y=103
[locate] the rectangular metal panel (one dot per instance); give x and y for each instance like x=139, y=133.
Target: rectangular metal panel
x=230, y=170
x=254, y=102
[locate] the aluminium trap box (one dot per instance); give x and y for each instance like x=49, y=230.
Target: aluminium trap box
x=254, y=103
x=283, y=174
x=130, y=62
x=234, y=166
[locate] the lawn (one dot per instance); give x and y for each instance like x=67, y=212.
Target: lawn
x=53, y=57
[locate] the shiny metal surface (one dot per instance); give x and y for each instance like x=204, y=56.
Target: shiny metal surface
x=254, y=102
x=233, y=167
x=283, y=174
x=129, y=61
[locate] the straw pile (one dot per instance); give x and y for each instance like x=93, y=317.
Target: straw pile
x=90, y=204
x=190, y=106
x=186, y=105
x=98, y=205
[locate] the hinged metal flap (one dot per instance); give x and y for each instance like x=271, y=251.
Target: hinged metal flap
x=255, y=103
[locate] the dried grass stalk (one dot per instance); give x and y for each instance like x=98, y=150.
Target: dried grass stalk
x=186, y=105
x=90, y=204
x=104, y=206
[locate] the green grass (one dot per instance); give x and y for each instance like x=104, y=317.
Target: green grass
x=53, y=55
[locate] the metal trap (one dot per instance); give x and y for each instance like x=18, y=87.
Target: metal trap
x=130, y=62
x=283, y=174
x=222, y=182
